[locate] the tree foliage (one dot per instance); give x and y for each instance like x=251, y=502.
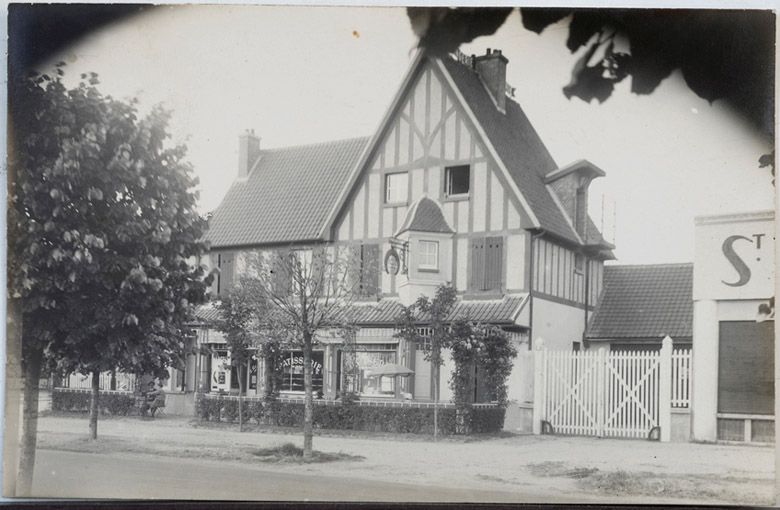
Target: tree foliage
x=722, y=54
x=434, y=315
x=305, y=293
x=103, y=231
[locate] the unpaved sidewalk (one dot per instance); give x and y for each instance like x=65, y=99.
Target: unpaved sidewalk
x=626, y=470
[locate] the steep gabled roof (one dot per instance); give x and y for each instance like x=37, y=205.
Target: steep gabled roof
x=644, y=302
x=517, y=145
x=287, y=196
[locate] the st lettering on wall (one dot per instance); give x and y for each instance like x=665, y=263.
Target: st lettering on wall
x=734, y=257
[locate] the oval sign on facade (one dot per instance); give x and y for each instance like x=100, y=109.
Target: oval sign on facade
x=392, y=262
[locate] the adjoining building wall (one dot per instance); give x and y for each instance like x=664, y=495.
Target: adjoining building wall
x=558, y=324
x=732, y=353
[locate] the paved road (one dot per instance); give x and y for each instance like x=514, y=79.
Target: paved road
x=61, y=474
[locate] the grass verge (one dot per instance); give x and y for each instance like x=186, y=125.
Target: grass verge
x=288, y=452
x=629, y=483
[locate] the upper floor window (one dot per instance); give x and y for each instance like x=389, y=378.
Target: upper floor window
x=579, y=263
x=397, y=188
x=428, y=256
x=457, y=180
x=487, y=256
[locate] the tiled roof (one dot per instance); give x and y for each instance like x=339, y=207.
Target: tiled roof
x=519, y=147
x=287, y=196
x=494, y=311
x=206, y=313
x=425, y=216
x=644, y=301
x=386, y=311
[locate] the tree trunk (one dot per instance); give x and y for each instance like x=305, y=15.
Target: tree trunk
x=436, y=361
x=240, y=398
x=308, y=413
x=93, y=406
x=14, y=386
x=32, y=374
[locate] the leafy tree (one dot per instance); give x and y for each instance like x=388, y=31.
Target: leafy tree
x=722, y=54
x=434, y=314
x=239, y=312
x=102, y=235
x=306, y=292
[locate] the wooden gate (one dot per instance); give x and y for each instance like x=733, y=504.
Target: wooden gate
x=608, y=394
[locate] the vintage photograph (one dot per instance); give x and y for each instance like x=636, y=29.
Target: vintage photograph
x=390, y=254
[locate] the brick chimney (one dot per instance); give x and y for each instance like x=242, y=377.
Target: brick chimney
x=491, y=67
x=248, y=150
x=571, y=184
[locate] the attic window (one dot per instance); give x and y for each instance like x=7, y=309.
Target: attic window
x=457, y=180
x=396, y=188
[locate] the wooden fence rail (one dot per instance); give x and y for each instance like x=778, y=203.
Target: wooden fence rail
x=610, y=394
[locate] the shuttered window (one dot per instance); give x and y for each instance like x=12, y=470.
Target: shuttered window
x=281, y=280
x=224, y=280
x=369, y=270
x=487, y=255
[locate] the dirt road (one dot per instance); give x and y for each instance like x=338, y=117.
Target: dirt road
x=534, y=468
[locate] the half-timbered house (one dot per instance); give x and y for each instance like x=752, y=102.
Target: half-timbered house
x=454, y=187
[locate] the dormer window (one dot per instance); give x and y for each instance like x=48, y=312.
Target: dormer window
x=396, y=188
x=428, y=256
x=457, y=180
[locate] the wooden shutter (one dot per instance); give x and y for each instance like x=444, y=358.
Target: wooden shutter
x=226, y=270
x=318, y=263
x=280, y=279
x=477, y=264
x=369, y=270
x=494, y=252
x=214, y=262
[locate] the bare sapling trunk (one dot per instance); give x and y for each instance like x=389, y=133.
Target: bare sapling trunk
x=436, y=366
x=93, y=405
x=308, y=411
x=32, y=374
x=240, y=399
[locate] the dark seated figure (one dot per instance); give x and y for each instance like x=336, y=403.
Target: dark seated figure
x=154, y=399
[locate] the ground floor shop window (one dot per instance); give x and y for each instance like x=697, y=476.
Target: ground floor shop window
x=292, y=371
x=746, y=368
x=357, y=368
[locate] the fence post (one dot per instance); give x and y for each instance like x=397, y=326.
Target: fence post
x=601, y=391
x=540, y=375
x=665, y=390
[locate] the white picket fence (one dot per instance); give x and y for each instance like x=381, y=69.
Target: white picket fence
x=610, y=394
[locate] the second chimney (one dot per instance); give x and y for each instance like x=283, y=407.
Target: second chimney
x=491, y=67
x=248, y=150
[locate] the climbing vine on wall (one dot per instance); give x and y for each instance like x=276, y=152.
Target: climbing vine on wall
x=484, y=349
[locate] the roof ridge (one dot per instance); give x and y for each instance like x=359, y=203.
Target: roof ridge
x=315, y=144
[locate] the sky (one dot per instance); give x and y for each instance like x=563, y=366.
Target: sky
x=300, y=75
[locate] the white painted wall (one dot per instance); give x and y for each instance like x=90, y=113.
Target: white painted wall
x=558, y=324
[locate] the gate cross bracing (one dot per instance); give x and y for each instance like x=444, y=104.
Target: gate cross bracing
x=609, y=394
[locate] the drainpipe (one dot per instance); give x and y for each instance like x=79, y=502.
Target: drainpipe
x=532, y=261
x=587, y=296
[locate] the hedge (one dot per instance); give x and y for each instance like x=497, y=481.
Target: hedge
x=116, y=403
x=359, y=416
